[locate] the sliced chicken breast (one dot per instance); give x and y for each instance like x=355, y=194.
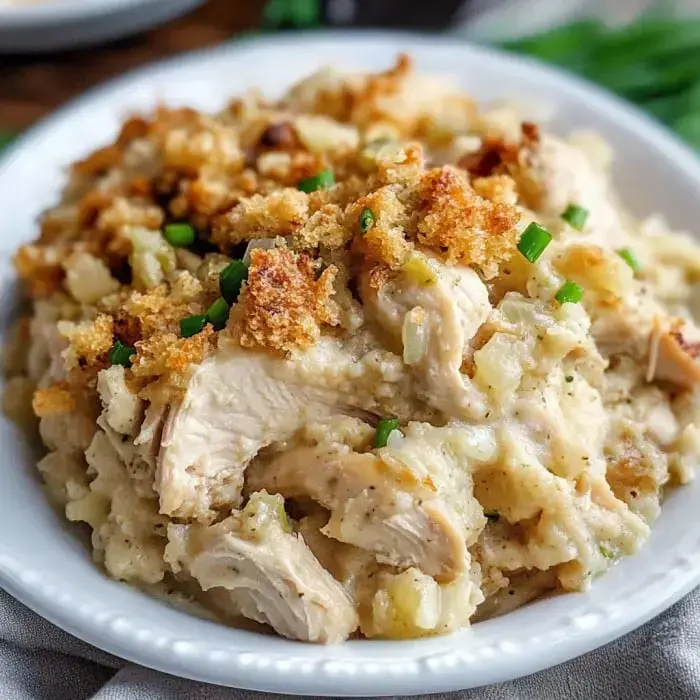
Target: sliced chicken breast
x=433, y=320
x=236, y=403
x=267, y=571
x=411, y=505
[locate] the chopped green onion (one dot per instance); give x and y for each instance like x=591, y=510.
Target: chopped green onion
x=282, y=516
x=5, y=138
x=384, y=428
x=570, y=292
x=191, y=325
x=317, y=182
x=630, y=258
x=179, y=235
x=217, y=314
x=230, y=280
x=492, y=516
x=606, y=552
x=534, y=240
x=575, y=216
x=568, y=379
x=120, y=354
x=367, y=220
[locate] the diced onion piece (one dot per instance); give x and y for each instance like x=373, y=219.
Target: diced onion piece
x=151, y=256
x=395, y=439
x=320, y=134
x=380, y=150
x=263, y=243
x=419, y=269
x=414, y=335
x=88, y=278
x=262, y=512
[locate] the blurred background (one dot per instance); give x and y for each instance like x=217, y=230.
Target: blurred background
x=648, y=51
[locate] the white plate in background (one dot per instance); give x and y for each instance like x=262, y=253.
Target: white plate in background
x=44, y=563
x=28, y=26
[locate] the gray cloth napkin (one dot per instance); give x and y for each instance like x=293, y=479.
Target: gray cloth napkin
x=660, y=661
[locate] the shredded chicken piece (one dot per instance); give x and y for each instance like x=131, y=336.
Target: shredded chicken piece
x=268, y=572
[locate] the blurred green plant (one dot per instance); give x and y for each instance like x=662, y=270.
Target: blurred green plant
x=653, y=62
x=5, y=138
x=296, y=13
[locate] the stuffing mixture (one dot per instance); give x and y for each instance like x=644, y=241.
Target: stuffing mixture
x=364, y=361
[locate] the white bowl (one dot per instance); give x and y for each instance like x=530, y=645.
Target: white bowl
x=48, y=25
x=47, y=566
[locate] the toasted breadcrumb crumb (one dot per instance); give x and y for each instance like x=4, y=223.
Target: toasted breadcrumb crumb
x=325, y=227
x=466, y=227
x=40, y=268
x=167, y=355
x=280, y=214
x=54, y=399
x=283, y=305
x=500, y=189
x=157, y=312
x=99, y=161
x=89, y=341
x=234, y=178
x=385, y=241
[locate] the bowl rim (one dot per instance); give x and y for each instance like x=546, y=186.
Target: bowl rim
x=433, y=678
x=50, y=12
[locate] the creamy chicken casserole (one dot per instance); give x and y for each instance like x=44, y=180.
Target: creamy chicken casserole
x=361, y=361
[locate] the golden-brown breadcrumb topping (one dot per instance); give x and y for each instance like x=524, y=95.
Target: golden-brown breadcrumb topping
x=57, y=398
x=283, y=304
x=469, y=229
x=234, y=177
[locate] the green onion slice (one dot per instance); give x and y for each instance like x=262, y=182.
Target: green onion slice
x=569, y=292
x=120, y=354
x=217, y=314
x=630, y=258
x=575, y=216
x=384, y=428
x=606, y=552
x=367, y=219
x=230, y=280
x=179, y=235
x=317, y=182
x=534, y=240
x=191, y=325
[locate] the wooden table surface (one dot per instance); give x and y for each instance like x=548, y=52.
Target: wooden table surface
x=32, y=86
